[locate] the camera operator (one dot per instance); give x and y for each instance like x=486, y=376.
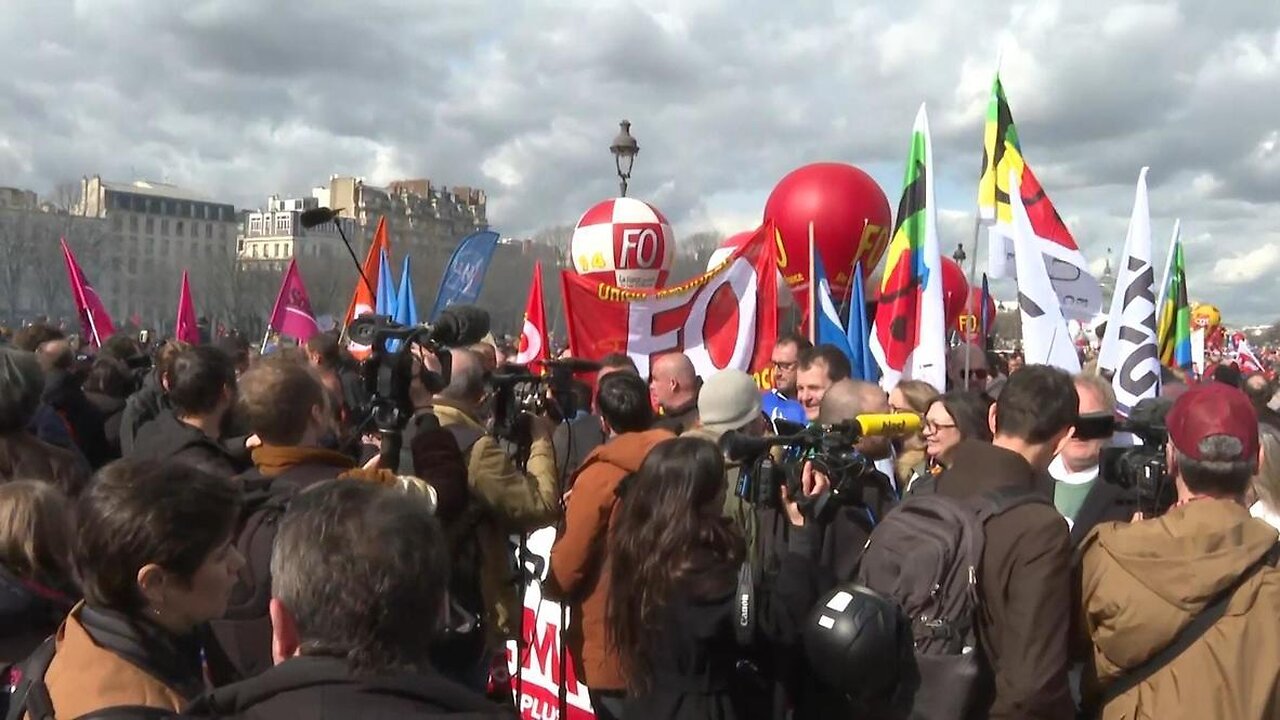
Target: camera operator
x=1152, y=589
x=510, y=500
x=1082, y=497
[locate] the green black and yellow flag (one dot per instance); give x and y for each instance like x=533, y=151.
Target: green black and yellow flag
x=1174, y=331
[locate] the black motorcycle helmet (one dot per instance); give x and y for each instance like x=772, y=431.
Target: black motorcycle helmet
x=858, y=643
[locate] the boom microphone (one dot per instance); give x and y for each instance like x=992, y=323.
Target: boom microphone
x=317, y=216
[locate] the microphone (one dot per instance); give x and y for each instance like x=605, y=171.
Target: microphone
x=888, y=423
x=460, y=325
x=574, y=365
x=317, y=216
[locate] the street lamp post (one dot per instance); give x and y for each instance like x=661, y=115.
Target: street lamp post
x=624, y=149
x=959, y=255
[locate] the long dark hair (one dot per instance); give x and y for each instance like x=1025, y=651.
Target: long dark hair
x=669, y=529
x=969, y=410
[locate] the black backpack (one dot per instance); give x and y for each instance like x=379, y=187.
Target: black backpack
x=24, y=693
x=926, y=555
x=243, y=634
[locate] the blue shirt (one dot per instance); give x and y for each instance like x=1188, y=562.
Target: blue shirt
x=777, y=406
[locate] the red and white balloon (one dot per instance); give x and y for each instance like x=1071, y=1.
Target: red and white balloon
x=624, y=242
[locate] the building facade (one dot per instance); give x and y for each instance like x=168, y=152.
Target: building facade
x=33, y=278
x=419, y=214
x=156, y=231
x=269, y=238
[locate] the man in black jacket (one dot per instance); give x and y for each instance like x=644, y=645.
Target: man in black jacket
x=358, y=585
x=63, y=393
x=202, y=389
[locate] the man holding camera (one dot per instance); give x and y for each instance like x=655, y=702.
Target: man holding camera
x=509, y=500
x=1183, y=611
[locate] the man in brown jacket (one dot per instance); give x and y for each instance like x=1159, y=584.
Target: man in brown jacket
x=579, y=561
x=1026, y=561
x=1145, y=582
x=510, y=500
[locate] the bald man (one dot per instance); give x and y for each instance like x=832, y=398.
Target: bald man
x=848, y=399
x=673, y=386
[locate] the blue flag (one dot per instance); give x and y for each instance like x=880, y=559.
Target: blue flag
x=386, y=301
x=859, y=332
x=464, y=275
x=406, y=304
x=828, y=330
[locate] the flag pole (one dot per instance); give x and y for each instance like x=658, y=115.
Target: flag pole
x=968, y=302
x=813, y=290
x=1168, y=267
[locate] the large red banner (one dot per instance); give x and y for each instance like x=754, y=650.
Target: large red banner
x=726, y=318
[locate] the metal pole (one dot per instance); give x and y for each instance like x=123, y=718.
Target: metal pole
x=973, y=266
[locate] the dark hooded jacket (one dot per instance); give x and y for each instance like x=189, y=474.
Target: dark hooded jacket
x=315, y=688
x=63, y=393
x=141, y=408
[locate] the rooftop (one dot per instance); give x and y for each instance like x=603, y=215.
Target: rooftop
x=159, y=189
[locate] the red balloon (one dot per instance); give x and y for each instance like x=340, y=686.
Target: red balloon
x=968, y=323
x=955, y=291
x=850, y=217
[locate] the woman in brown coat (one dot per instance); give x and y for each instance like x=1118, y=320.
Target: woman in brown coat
x=156, y=562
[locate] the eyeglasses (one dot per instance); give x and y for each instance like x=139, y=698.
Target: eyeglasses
x=932, y=427
x=785, y=366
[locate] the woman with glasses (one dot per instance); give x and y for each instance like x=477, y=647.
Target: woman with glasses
x=911, y=396
x=954, y=416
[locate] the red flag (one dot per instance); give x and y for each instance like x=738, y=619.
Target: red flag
x=95, y=322
x=365, y=298
x=534, y=346
x=185, y=328
x=724, y=319
x=292, y=314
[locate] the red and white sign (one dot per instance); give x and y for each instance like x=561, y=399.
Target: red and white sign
x=539, y=666
x=623, y=242
x=533, y=335
x=723, y=319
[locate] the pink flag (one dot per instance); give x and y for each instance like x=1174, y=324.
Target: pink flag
x=185, y=329
x=292, y=314
x=95, y=322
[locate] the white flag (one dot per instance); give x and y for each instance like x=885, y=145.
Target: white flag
x=1046, y=340
x=929, y=359
x=1129, y=348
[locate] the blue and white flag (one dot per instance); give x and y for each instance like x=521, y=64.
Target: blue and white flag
x=464, y=275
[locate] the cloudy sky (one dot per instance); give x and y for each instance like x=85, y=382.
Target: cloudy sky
x=244, y=98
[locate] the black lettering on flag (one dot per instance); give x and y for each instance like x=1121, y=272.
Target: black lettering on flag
x=1029, y=306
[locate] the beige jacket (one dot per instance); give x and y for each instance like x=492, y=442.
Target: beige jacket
x=511, y=502
x=1146, y=581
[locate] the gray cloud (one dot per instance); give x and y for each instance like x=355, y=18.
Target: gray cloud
x=245, y=98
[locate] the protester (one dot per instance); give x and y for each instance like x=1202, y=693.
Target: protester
x=577, y=437
x=1025, y=578
x=155, y=560
x=675, y=564
x=1260, y=391
x=107, y=387
x=352, y=638
x=953, y=417
x=1147, y=583
x=780, y=401
x=613, y=362
x=729, y=403
x=1082, y=497
x=488, y=354
x=1016, y=362
x=36, y=589
x=674, y=385
x=63, y=392
x=509, y=500
x=967, y=368
x=819, y=368
x=1264, y=491
x=201, y=390
x=236, y=348
x=22, y=455
x=911, y=396
x=579, y=558
x=147, y=404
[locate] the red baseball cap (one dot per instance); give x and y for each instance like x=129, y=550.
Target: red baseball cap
x=1210, y=409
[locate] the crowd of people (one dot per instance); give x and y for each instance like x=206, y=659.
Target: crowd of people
x=197, y=531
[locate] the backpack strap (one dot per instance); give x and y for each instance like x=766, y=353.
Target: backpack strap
x=1189, y=634
x=129, y=712
x=29, y=695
